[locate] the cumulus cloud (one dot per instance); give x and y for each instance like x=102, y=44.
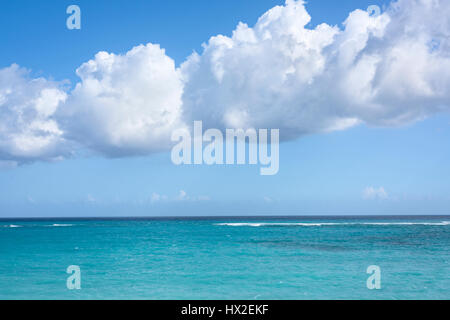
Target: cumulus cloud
x=385, y=70
x=371, y=193
x=125, y=104
x=28, y=129
x=260, y=76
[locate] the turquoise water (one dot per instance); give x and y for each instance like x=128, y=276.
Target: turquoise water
x=226, y=258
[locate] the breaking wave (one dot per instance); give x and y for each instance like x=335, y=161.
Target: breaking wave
x=320, y=224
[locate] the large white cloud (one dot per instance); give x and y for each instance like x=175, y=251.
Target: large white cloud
x=125, y=104
x=384, y=70
x=28, y=130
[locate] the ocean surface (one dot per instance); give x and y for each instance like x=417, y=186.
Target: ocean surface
x=226, y=258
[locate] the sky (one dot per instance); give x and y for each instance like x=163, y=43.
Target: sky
x=360, y=101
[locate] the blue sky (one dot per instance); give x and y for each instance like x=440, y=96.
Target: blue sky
x=320, y=172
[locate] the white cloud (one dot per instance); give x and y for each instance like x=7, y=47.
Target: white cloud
x=28, y=129
x=203, y=198
x=371, y=193
x=125, y=104
x=182, y=196
x=155, y=197
x=280, y=74
x=387, y=70
x=90, y=198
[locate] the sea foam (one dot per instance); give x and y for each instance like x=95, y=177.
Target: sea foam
x=306, y=224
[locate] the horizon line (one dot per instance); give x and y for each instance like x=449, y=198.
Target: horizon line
x=222, y=217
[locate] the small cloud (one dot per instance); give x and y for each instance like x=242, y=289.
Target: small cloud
x=182, y=196
x=371, y=193
x=155, y=197
x=91, y=198
x=268, y=200
x=203, y=198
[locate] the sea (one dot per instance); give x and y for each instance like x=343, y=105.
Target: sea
x=248, y=258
